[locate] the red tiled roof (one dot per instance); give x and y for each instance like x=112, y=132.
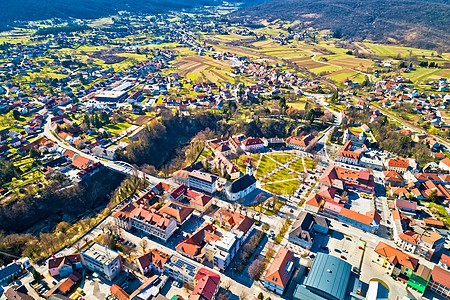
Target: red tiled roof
x=177, y=211
x=445, y=259
x=153, y=257
x=207, y=283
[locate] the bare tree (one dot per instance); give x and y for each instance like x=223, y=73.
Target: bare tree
x=144, y=245
x=256, y=269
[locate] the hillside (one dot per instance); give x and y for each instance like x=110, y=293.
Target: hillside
x=28, y=10
x=417, y=23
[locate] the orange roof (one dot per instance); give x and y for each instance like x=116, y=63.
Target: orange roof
x=446, y=161
x=177, y=211
x=408, y=236
x=434, y=222
x=396, y=256
x=119, y=292
x=281, y=267
x=353, y=215
x=81, y=162
x=398, y=163
x=69, y=153
x=66, y=285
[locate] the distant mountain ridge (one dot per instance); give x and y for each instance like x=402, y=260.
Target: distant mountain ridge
x=417, y=23
x=29, y=10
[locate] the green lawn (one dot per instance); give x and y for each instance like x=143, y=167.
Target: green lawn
x=297, y=166
x=281, y=175
x=282, y=158
x=282, y=188
x=310, y=164
x=265, y=166
x=242, y=161
x=300, y=105
x=117, y=128
x=441, y=212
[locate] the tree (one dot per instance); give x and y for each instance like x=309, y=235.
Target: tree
x=256, y=269
x=144, y=245
x=34, y=153
x=16, y=114
x=261, y=296
x=104, y=117
x=433, y=196
x=36, y=275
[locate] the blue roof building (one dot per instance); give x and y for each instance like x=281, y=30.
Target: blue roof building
x=330, y=278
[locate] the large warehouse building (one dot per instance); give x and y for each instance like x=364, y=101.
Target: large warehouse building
x=330, y=278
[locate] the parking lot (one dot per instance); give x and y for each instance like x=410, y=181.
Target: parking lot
x=343, y=246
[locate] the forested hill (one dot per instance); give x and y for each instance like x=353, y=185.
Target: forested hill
x=418, y=23
x=28, y=10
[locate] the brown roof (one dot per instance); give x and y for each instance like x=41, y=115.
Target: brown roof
x=155, y=257
x=66, y=285
x=441, y=276
x=64, y=260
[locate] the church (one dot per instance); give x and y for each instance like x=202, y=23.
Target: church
x=242, y=186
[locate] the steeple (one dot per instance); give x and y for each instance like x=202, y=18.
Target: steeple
x=249, y=168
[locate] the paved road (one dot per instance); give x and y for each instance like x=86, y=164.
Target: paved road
x=121, y=167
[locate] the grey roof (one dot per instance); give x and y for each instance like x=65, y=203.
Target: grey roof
x=329, y=275
x=242, y=183
x=9, y=270
x=303, y=226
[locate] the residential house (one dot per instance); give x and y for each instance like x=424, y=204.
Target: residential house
x=206, y=285
x=251, y=144
x=444, y=262
x=393, y=178
x=177, y=211
x=395, y=262
x=299, y=143
x=399, y=165
x=181, y=269
x=9, y=271
x=280, y=271
x=152, y=261
x=440, y=282
x=305, y=228
x=17, y=292
x=64, y=266
x=354, y=136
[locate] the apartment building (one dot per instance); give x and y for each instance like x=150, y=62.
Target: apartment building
x=99, y=258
